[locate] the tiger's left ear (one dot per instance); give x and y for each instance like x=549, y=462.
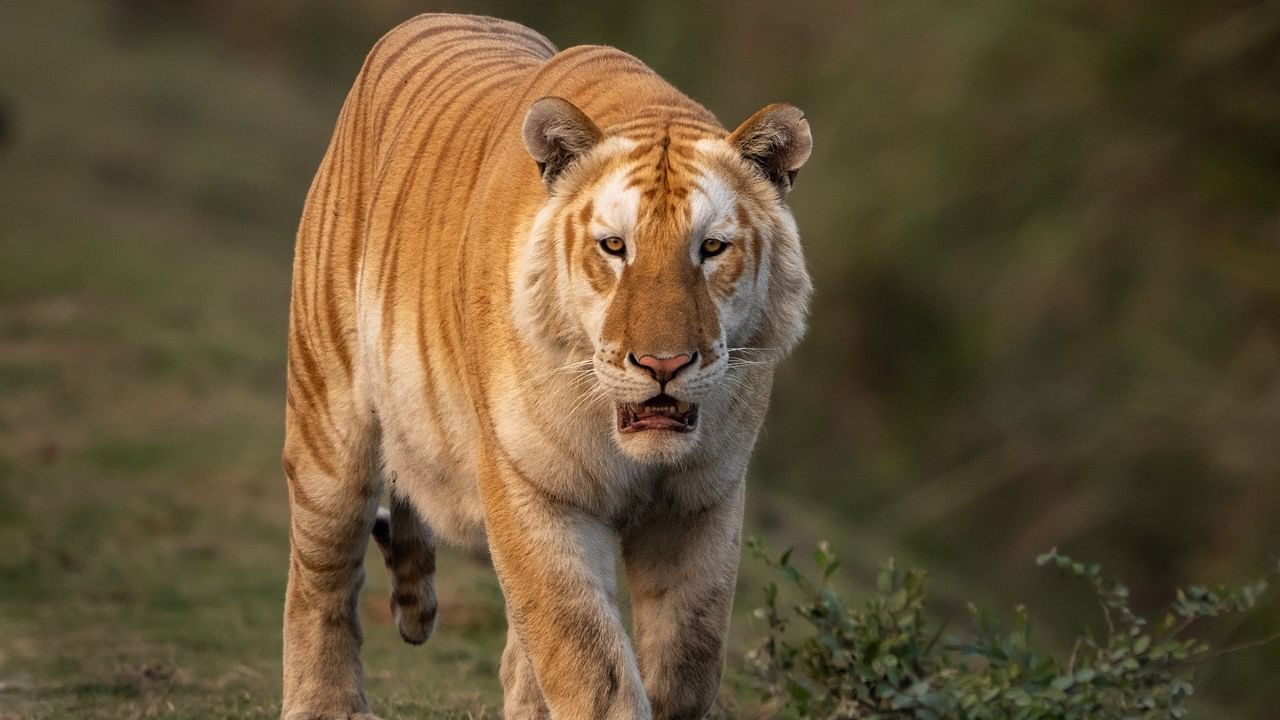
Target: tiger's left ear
x=555, y=133
x=777, y=141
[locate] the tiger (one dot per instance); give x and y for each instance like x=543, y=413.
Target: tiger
x=538, y=300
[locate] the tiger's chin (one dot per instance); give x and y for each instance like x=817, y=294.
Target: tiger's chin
x=661, y=429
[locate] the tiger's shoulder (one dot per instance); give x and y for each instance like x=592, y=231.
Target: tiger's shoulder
x=432, y=33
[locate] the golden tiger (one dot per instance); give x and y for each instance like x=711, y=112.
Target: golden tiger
x=538, y=295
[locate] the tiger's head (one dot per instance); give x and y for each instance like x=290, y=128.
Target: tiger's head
x=666, y=250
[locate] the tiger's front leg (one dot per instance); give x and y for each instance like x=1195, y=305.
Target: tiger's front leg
x=556, y=564
x=681, y=572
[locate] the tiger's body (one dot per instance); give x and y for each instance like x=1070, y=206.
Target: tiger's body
x=464, y=332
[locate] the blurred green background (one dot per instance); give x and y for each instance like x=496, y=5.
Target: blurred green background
x=1046, y=242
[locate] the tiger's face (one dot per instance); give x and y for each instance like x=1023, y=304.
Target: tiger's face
x=672, y=257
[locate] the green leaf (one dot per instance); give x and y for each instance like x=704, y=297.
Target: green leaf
x=822, y=555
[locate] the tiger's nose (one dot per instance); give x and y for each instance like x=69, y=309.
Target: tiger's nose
x=663, y=369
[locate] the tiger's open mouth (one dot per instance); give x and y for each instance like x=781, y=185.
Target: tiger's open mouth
x=660, y=412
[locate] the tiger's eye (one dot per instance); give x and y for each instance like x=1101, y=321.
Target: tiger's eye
x=712, y=247
x=614, y=246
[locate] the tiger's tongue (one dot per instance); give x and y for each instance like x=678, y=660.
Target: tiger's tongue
x=657, y=422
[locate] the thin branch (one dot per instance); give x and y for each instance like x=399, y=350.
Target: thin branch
x=1071, y=661
x=1265, y=640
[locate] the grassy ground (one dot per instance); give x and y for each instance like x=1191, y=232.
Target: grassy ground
x=142, y=305
x=149, y=186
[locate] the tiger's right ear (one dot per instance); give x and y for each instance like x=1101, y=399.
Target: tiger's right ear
x=555, y=133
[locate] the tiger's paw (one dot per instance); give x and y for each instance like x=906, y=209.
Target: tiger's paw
x=415, y=614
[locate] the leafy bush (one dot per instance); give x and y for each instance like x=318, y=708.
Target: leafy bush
x=886, y=660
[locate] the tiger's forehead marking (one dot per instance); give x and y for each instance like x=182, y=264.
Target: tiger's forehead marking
x=663, y=189
x=663, y=167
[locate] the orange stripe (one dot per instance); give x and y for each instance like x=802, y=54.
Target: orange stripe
x=438, y=61
x=387, y=274
x=452, y=333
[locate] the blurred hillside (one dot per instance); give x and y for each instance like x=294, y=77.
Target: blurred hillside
x=1045, y=237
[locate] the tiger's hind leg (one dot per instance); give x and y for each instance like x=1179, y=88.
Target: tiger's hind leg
x=334, y=484
x=409, y=549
